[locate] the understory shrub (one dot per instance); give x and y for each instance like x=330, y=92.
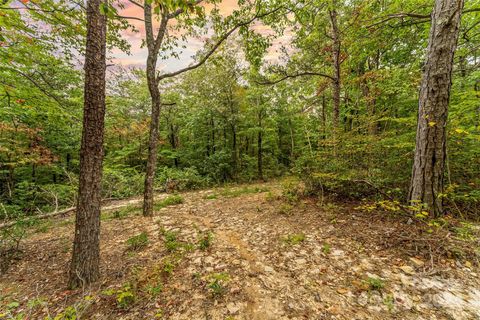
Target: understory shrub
x=172, y=179
x=10, y=239
x=121, y=182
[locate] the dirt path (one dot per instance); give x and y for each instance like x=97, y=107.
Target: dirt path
x=312, y=264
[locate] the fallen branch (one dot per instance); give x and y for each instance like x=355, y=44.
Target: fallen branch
x=72, y=209
x=43, y=216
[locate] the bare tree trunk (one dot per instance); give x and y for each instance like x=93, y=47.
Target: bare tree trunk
x=234, y=150
x=260, y=145
x=153, y=137
x=324, y=118
x=337, y=74
x=174, y=143
x=153, y=45
x=430, y=151
x=85, y=264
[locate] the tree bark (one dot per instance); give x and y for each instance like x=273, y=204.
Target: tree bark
x=85, y=264
x=153, y=45
x=174, y=142
x=260, y=145
x=153, y=136
x=336, y=88
x=430, y=151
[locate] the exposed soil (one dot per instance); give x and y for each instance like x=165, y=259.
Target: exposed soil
x=349, y=265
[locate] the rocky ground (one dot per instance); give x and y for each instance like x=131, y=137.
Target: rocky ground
x=242, y=253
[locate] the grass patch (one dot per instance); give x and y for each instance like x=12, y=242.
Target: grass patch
x=286, y=209
x=326, y=248
x=212, y=196
x=218, y=283
x=205, y=240
x=170, y=237
x=137, y=242
x=168, y=201
x=122, y=213
x=294, y=239
x=233, y=192
x=375, y=283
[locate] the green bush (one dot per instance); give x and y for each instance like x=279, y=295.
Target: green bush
x=120, y=182
x=172, y=179
x=137, y=242
x=168, y=201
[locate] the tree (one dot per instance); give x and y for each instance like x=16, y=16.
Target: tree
x=240, y=20
x=430, y=150
x=85, y=264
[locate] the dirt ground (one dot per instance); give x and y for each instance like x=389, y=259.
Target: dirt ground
x=244, y=255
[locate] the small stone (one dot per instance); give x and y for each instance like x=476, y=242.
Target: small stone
x=269, y=269
x=342, y=290
x=338, y=253
x=406, y=281
x=209, y=260
x=300, y=261
x=363, y=299
x=407, y=270
x=417, y=262
x=232, y=308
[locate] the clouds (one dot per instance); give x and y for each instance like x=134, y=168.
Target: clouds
x=139, y=55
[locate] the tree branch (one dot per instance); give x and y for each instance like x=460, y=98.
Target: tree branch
x=36, y=84
x=414, y=16
x=217, y=45
x=290, y=76
x=399, y=16
x=129, y=18
x=180, y=11
x=135, y=3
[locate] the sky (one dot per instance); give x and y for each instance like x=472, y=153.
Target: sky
x=138, y=54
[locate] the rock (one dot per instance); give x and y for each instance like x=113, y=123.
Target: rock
x=269, y=269
x=406, y=281
x=300, y=261
x=363, y=299
x=209, y=260
x=401, y=300
x=232, y=308
x=338, y=253
x=342, y=290
x=417, y=262
x=407, y=269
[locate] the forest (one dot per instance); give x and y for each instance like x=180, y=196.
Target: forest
x=224, y=159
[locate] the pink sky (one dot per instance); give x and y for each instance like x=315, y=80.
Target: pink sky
x=138, y=55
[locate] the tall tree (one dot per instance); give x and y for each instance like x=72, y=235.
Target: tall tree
x=85, y=264
x=178, y=10
x=430, y=151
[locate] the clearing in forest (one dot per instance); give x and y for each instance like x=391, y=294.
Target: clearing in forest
x=243, y=253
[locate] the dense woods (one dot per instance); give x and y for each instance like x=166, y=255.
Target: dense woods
x=375, y=103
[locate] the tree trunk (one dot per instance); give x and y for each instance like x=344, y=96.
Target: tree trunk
x=153, y=138
x=430, y=151
x=234, y=150
x=324, y=119
x=337, y=74
x=153, y=45
x=173, y=143
x=260, y=147
x=85, y=264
